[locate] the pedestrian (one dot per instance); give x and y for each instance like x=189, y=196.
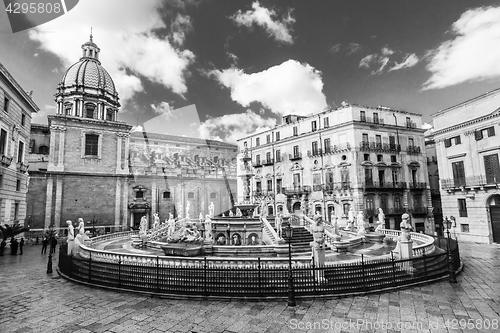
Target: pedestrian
x=21, y=244
x=45, y=242
x=13, y=246
x=3, y=244
x=37, y=239
x=53, y=245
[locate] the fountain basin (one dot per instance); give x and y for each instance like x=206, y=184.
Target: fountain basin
x=183, y=249
x=374, y=237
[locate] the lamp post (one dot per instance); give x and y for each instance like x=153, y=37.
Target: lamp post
x=291, y=290
x=49, y=263
x=451, y=269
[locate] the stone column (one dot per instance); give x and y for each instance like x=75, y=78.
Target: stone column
x=52, y=155
x=126, y=138
x=48, y=202
x=119, y=153
x=125, y=202
x=154, y=196
x=60, y=160
x=73, y=108
x=58, y=202
x=117, y=202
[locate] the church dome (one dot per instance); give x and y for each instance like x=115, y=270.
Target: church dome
x=88, y=73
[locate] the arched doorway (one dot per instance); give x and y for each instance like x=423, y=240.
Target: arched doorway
x=296, y=207
x=494, y=206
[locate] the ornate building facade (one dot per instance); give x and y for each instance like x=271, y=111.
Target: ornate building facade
x=353, y=156
x=90, y=165
x=16, y=107
x=467, y=147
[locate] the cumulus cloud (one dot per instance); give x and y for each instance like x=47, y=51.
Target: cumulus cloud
x=130, y=50
x=180, y=27
x=351, y=48
x=163, y=108
x=471, y=54
x=288, y=88
x=267, y=18
x=137, y=128
x=231, y=127
x=335, y=48
x=385, y=59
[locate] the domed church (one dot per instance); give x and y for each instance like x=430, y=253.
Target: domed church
x=88, y=164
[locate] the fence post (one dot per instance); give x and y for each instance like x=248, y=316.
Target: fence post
x=205, y=289
x=363, y=271
x=393, y=269
x=260, y=282
x=90, y=266
x=314, y=275
x=425, y=262
x=119, y=271
x=157, y=274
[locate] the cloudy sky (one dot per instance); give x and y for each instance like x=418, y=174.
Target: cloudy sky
x=223, y=68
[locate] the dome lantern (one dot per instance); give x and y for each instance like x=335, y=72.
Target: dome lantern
x=90, y=50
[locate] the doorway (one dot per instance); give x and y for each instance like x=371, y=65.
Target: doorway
x=296, y=208
x=137, y=220
x=494, y=206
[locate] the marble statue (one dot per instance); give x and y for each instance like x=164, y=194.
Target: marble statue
x=81, y=237
x=208, y=227
x=200, y=217
x=279, y=223
x=71, y=237
x=188, y=205
x=335, y=225
x=405, y=227
x=143, y=229
x=350, y=219
x=253, y=241
x=360, y=221
x=223, y=215
x=191, y=234
x=381, y=215
x=238, y=212
x=171, y=226
x=318, y=232
x=156, y=223
x=231, y=213
x=211, y=209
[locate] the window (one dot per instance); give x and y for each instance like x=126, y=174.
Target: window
x=395, y=176
x=462, y=208
x=370, y=203
x=410, y=142
x=327, y=145
x=3, y=141
x=378, y=140
x=18, y=185
x=295, y=151
x=268, y=138
x=397, y=203
x=257, y=142
x=1, y=180
x=91, y=144
x=326, y=122
x=257, y=159
x=345, y=208
x=278, y=155
x=6, y=103
x=279, y=185
x=344, y=175
x=456, y=140
x=365, y=137
x=67, y=109
x=268, y=157
x=139, y=195
x=296, y=180
x=314, y=125
x=375, y=118
x=480, y=134
x=366, y=157
x=23, y=119
x=295, y=131
x=329, y=177
x=315, y=148
x=464, y=228
x=166, y=195
x=492, y=169
x=258, y=187
x=316, y=179
x=190, y=195
x=213, y=195
x=380, y=158
x=20, y=152
x=270, y=185
x=16, y=211
x=362, y=115
x=368, y=176
x=109, y=115
x=458, y=173
x=277, y=136
x=89, y=111
x=393, y=159
x=44, y=150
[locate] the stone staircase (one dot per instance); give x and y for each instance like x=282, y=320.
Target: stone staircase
x=301, y=239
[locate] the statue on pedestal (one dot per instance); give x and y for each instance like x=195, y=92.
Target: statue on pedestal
x=405, y=227
x=335, y=225
x=231, y=213
x=200, y=217
x=188, y=205
x=279, y=223
x=211, y=209
x=318, y=232
x=71, y=237
x=208, y=227
x=156, y=223
x=171, y=226
x=381, y=220
x=361, y=223
x=238, y=212
x=350, y=219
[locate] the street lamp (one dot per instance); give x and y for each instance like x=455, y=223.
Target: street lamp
x=291, y=290
x=49, y=263
x=451, y=269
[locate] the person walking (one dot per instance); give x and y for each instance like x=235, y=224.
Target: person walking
x=13, y=246
x=37, y=240
x=3, y=244
x=45, y=242
x=53, y=245
x=21, y=244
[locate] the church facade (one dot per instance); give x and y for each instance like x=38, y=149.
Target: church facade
x=85, y=163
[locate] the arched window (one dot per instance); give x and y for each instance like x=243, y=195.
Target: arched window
x=44, y=150
x=67, y=109
x=89, y=110
x=109, y=115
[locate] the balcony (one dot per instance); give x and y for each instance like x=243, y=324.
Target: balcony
x=330, y=188
x=418, y=210
x=6, y=160
x=384, y=185
x=471, y=182
x=370, y=212
x=257, y=164
x=22, y=167
x=417, y=186
x=317, y=188
x=413, y=150
x=411, y=124
x=379, y=147
x=394, y=211
x=297, y=190
x=268, y=161
x=340, y=148
x=294, y=157
x=279, y=159
x=377, y=121
x=314, y=153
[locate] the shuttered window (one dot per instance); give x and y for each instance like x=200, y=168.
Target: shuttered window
x=462, y=208
x=458, y=173
x=91, y=144
x=492, y=169
x=447, y=143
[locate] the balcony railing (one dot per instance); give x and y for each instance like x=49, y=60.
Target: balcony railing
x=296, y=156
x=297, y=190
x=263, y=193
x=417, y=185
x=6, y=160
x=418, y=210
x=268, y=161
x=372, y=120
x=340, y=148
x=315, y=152
x=384, y=185
x=472, y=181
x=257, y=164
x=370, y=212
x=379, y=147
x=394, y=211
x=413, y=150
x=411, y=124
x=317, y=188
x=336, y=187
x=22, y=167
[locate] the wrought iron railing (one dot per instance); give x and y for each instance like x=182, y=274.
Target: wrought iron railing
x=295, y=156
x=417, y=185
x=472, y=181
x=384, y=185
x=297, y=190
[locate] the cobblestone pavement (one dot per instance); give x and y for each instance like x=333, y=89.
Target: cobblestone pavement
x=33, y=301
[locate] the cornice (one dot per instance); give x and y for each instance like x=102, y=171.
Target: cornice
x=466, y=123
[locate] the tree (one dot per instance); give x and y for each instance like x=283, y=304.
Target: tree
x=10, y=231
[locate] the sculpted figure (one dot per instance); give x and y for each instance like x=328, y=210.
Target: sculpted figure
x=335, y=225
x=381, y=215
x=200, y=217
x=361, y=223
x=170, y=226
x=350, y=219
x=318, y=232
x=71, y=237
x=405, y=227
x=279, y=223
x=238, y=212
x=208, y=227
x=211, y=209
x=188, y=205
x=156, y=223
